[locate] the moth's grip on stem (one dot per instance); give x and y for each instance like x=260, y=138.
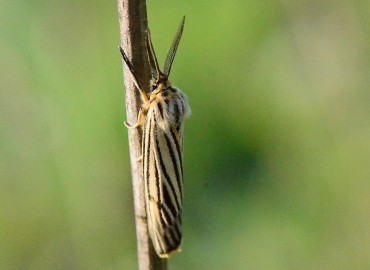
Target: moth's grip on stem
x=139, y=121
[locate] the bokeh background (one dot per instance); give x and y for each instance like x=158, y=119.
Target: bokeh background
x=277, y=149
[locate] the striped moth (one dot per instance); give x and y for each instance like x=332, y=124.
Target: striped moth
x=161, y=118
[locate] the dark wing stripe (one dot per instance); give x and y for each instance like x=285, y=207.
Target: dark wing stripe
x=168, y=243
x=174, y=162
x=173, y=242
x=164, y=170
x=174, y=239
x=176, y=229
x=157, y=181
x=179, y=153
x=167, y=213
x=160, y=109
x=168, y=202
x=163, y=215
x=180, y=220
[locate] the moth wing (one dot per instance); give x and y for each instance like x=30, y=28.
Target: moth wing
x=163, y=180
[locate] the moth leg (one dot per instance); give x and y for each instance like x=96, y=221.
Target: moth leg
x=139, y=121
x=140, y=159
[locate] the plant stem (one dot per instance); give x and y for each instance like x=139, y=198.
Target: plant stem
x=133, y=24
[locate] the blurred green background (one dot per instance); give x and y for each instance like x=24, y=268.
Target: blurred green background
x=277, y=149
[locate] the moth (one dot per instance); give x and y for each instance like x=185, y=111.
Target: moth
x=161, y=118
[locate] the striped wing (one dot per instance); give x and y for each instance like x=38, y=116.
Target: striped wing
x=163, y=179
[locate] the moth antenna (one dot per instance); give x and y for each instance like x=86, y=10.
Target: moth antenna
x=152, y=57
x=132, y=74
x=172, y=51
